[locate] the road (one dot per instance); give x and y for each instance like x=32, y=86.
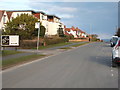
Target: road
x=88, y=66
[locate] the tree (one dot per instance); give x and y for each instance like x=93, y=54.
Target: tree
x=118, y=32
x=23, y=25
x=94, y=35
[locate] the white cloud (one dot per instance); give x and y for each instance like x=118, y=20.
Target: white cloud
x=66, y=16
x=51, y=7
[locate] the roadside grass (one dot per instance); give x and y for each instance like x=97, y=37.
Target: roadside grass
x=9, y=52
x=54, y=45
x=77, y=45
x=16, y=61
x=65, y=48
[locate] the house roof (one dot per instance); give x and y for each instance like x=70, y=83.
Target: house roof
x=74, y=29
x=40, y=12
x=53, y=16
x=1, y=14
x=22, y=11
x=67, y=29
x=9, y=13
x=68, y=34
x=37, y=15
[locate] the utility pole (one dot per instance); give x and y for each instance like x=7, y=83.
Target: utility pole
x=38, y=39
x=37, y=25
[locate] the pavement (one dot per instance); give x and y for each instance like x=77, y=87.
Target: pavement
x=87, y=66
x=48, y=51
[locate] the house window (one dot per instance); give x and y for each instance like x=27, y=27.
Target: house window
x=17, y=14
x=4, y=21
x=42, y=17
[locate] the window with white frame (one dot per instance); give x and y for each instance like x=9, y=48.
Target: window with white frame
x=4, y=19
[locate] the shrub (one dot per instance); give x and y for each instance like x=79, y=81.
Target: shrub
x=55, y=40
x=69, y=36
x=29, y=44
x=94, y=39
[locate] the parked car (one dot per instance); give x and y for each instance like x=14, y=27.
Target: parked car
x=113, y=41
x=116, y=54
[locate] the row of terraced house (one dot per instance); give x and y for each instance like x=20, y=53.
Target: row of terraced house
x=50, y=22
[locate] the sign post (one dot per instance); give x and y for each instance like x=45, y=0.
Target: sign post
x=10, y=40
x=37, y=25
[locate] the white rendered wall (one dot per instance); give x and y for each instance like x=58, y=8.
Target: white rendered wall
x=15, y=14
x=73, y=33
x=2, y=24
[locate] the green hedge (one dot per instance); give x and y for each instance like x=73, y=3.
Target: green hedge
x=55, y=40
x=28, y=44
x=48, y=41
x=69, y=36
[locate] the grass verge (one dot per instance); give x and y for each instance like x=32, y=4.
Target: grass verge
x=65, y=48
x=54, y=45
x=17, y=61
x=9, y=52
x=77, y=45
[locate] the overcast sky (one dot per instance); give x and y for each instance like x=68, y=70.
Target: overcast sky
x=93, y=17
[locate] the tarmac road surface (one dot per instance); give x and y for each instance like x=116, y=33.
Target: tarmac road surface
x=87, y=66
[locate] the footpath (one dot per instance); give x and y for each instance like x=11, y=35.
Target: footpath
x=48, y=51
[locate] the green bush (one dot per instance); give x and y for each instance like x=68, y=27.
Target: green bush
x=94, y=39
x=69, y=36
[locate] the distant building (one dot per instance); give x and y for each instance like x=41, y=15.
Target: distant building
x=76, y=32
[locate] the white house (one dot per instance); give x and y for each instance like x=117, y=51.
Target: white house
x=3, y=19
x=50, y=22
x=53, y=24
x=14, y=14
x=76, y=32
x=6, y=16
x=71, y=31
